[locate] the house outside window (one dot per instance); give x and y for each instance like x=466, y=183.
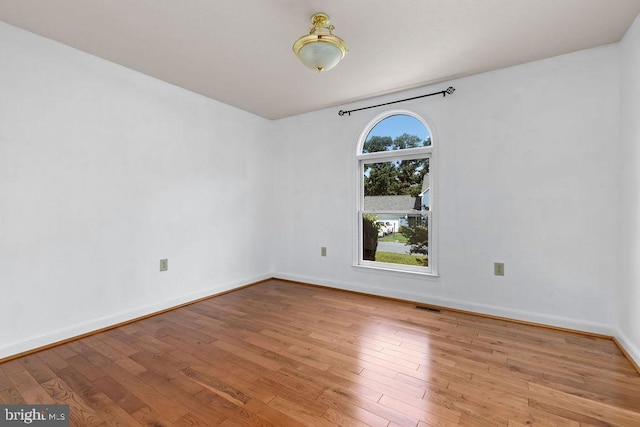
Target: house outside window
x=395, y=196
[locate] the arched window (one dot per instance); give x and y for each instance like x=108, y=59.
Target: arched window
x=395, y=206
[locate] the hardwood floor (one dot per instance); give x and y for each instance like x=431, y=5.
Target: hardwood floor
x=284, y=354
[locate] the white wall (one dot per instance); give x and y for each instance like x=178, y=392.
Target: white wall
x=103, y=171
x=629, y=279
x=527, y=161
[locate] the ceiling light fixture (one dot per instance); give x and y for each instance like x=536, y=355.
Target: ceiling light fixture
x=320, y=50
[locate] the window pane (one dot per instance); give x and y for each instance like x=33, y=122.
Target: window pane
x=395, y=185
x=397, y=132
x=395, y=238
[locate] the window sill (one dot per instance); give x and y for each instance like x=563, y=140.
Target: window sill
x=397, y=272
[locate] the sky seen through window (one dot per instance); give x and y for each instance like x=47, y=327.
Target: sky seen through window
x=398, y=124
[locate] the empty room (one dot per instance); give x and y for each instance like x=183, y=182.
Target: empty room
x=319, y=213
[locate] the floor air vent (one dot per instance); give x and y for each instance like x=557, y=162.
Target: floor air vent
x=427, y=308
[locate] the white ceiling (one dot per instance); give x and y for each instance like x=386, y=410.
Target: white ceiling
x=239, y=51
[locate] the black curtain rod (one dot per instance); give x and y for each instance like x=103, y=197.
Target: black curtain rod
x=444, y=93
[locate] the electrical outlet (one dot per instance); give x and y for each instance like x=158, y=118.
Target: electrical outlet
x=164, y=264
x=498, y=268
x=323, y=251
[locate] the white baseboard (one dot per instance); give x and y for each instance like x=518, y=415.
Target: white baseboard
x=507, y=313
x=633, y=352
x=105, y=322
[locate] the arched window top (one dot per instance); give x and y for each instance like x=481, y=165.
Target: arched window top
x=396, y=131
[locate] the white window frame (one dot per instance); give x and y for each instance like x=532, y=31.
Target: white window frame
x=388, y=156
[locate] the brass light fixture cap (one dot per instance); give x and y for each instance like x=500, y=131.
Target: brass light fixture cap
x=319, y=18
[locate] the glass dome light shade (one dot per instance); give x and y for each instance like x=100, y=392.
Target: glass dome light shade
x=320, y=52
